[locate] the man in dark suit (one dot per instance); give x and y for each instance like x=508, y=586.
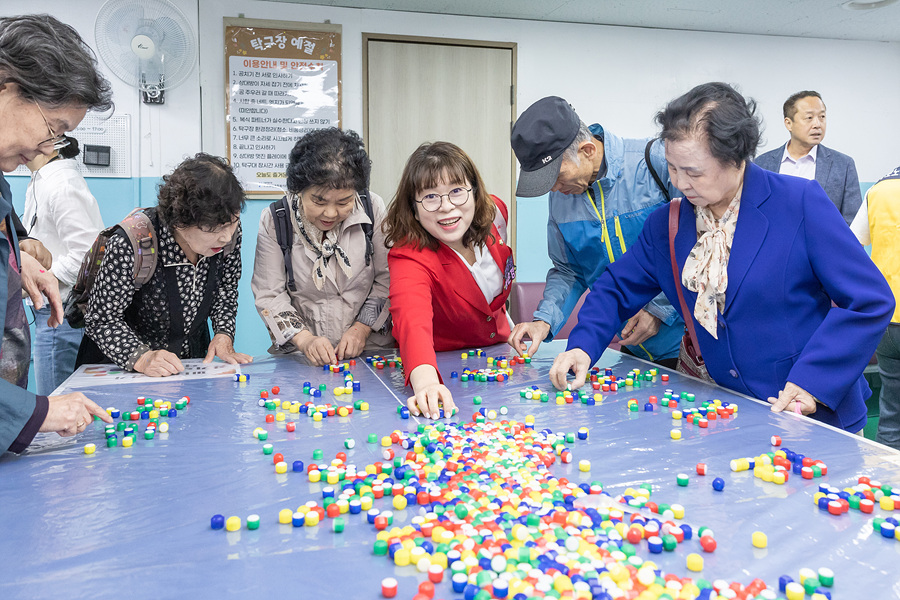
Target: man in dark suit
x=805, y=156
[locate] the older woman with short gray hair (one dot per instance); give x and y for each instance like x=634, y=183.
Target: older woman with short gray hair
x=48, y=81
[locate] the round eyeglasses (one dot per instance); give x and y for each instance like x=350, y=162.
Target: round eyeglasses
x=58, y=141
x=457, y=196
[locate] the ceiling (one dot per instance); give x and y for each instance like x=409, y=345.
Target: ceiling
x=797, y=18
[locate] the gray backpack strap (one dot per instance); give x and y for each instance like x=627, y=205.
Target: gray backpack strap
x=284, y=234
x=368, y=228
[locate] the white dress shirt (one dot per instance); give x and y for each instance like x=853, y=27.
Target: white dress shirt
x=804, y=167
x=61, y=212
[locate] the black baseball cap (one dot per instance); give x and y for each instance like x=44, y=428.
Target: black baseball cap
x=539, y=138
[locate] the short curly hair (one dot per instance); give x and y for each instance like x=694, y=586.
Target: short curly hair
x=201, y=192
x=329, y=158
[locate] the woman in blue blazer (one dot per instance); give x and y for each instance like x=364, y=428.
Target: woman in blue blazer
x=785, y=302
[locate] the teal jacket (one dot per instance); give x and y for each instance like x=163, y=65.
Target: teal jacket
x=581, y=249
x=19, y=409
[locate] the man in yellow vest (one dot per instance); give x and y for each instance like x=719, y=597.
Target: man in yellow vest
x=877, y=223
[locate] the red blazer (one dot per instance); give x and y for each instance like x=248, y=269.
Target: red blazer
x=437, y=306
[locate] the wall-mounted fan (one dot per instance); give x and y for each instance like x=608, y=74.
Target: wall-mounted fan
x=148, y=44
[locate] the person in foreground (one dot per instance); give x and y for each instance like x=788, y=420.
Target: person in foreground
x=197, y=225
x=48, y=81
x=760, y=257
x=451, y=269
x=335, y=307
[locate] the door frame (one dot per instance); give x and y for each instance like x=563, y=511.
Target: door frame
x=438, y=41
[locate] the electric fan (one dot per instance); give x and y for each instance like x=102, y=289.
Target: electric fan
x=147, y=44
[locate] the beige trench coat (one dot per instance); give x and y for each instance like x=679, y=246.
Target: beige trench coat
x=331, y=311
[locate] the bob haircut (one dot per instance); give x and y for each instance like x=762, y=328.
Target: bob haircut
x=717, y=113
x=428, y=166
x=201, y=192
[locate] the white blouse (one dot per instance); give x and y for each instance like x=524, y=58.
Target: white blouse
x=485, y=272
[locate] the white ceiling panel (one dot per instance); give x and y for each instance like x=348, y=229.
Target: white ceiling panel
x=828, y=19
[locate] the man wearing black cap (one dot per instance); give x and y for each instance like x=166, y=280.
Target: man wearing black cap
x=601, y=191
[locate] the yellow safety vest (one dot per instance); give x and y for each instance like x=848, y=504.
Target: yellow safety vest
x=883, y=201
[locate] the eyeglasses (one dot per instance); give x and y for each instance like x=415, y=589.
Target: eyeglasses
x=457, y=196
x=58, y=141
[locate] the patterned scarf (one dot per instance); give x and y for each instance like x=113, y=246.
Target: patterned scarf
x=324, y=250
x=706, y=268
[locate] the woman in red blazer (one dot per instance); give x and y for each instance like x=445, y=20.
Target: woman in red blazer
x=450, y=267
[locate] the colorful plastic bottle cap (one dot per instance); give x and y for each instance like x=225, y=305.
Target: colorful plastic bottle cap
x=217, y=522
x=694, y=562
x=164, y=427
x=388, y=587
x=584, y=466
x=760, y=540
x=701, y=468
x=233, y=524
x=253, y=522
x=682, y=479
x=826, y=577
x=285, y=516
x=127, y=441
x=810, y=585
x=718, y=484
x=675, y=434
x=794, y=591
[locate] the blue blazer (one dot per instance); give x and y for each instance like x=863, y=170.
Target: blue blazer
x=835, y=172
x=792, y=255
x=16, y=405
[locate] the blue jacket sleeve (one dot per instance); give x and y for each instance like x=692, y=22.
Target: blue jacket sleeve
x=564, y=286
x=841, y=347
x=623, y=289
x=662, y=309
x=17, y=407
